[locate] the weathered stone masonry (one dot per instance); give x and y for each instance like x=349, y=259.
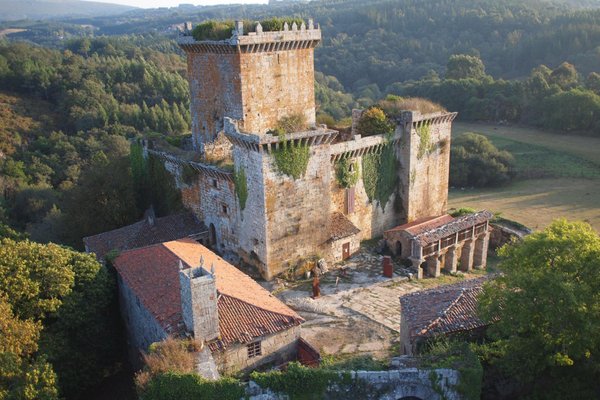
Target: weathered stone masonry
x=242, y=87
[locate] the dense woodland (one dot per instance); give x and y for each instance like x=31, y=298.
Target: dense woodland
x=74, y=94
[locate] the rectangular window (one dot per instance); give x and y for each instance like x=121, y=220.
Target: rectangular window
x=254, y=350
x=224, y=209
x=215, y=183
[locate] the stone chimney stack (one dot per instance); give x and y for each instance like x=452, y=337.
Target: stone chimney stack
x=199, y=302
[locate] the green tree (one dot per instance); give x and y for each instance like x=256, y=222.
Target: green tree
x=475, y=161
x=373, y=121
x=546, y=302
x=462, y=66
x=71, y=296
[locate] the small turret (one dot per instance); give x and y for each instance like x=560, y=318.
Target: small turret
x=199, y=301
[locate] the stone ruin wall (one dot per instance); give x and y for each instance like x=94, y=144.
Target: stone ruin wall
x=276, y=84
x=424, y=180
x=251, y=229
x=297, y=211
x=277, y=349
x=215, y=92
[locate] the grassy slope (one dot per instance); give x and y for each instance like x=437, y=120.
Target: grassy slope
x=559, y=177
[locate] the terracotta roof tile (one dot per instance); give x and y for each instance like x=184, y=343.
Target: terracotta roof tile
x=341, y=227
x=246, y=309
x=454, y=226
x=143, y=233
x=443, y=310
x=423, y=224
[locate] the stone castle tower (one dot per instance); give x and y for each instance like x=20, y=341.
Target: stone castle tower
x=255, y=79
x=241, y=88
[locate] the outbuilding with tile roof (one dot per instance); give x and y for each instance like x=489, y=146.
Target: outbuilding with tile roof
x=441, y=311
x=182, y=289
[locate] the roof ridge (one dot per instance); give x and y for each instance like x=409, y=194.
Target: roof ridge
x=297, y=317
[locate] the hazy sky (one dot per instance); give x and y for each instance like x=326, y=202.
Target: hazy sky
x=175, y=3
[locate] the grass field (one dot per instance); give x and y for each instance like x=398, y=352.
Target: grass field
x=558, y=177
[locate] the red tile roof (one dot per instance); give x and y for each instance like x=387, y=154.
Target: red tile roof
x=246, y=309
x=341, y=227
x=443, y=310
x=143, y=233
x=423, y=224
x=454, y=226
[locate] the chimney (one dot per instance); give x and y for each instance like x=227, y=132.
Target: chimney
x=150, y=216
x=199, y=302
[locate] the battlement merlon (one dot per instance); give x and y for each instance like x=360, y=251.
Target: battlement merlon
x=294, y=38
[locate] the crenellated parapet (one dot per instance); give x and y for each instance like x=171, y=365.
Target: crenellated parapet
x=305, y=36
x=268, y=143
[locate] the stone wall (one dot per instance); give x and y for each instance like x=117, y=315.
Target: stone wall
x=336, y=250
x=384, y=385
x=252, y=225
x=276, y=84
x=215, y=92
x=297, y=211
x=141, y=327
x=425, y=164
x=277, y=349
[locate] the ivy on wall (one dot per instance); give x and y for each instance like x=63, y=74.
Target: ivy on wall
x=380, y=176
x=292, y=158
x=154, y=185
x=346, y=172
x=241, y=186
x=189, y=175
x=425, y=145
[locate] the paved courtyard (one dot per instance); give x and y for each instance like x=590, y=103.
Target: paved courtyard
x=358, y=312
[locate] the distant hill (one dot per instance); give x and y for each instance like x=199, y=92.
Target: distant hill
x=11, y=10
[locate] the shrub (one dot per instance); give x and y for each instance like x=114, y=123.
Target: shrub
x=213, y=30
x=394, y=105
x=373, y=121
x=380, y=176
x=475, y=161
x=276, y=23
x=170, y=355
x=292, y=123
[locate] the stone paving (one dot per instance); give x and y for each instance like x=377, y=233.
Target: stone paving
x=359, y=309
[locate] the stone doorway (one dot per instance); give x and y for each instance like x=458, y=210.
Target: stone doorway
x=345, y=250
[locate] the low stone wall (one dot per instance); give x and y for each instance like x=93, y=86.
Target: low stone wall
x=384, y=385
x=501, y=234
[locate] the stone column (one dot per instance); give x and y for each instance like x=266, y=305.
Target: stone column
x=451, y=260
x=416, y=264
x=466, y=256
x=433, y=266
x=481, y=249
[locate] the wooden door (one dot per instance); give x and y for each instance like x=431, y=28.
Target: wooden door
x=345, y=250
x=350, y=200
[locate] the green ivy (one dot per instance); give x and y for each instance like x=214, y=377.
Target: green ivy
x=370, y=170
x=380, y=175
x=301, y=383
x=189, y=175
x=425, y=145
x=241, y=186
x=346, y=172
x=175, y=386
x=292, y=159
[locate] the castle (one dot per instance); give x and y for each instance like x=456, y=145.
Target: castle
x=272, y=214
